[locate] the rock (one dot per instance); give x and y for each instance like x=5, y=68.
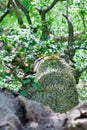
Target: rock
x=76, y=119
x=40, y=117
x=19, y=113
x=57, y=84
x=9, y=107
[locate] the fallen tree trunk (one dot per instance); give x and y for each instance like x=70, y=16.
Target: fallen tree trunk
x=57, y=84
x=65, y=37
x=19, y=113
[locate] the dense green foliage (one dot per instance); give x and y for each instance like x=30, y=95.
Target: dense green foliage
x=19, y=47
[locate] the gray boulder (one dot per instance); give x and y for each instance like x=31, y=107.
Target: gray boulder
x=9, y=108
x=19, y=113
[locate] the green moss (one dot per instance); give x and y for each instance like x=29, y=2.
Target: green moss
x=57, y=85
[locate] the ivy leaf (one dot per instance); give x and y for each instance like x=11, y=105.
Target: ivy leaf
x=35, y=85
x=26, y=81
x=24, y=93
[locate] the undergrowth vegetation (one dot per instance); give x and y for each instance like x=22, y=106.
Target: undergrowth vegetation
x=19, y=47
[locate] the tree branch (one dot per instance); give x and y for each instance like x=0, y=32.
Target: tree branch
x=5, y=12
x=78, y=73
x=81, y=71
x=20, y=21
x=70, y=38
x=65, y=37
x=83, y=48
x=26, y=12
x=70, y=51
x=51, y=5
x=44, y=11
x=43, y=17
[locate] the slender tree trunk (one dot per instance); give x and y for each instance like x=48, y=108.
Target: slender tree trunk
x=6, y=12
x=26, y=12
x=20, y=21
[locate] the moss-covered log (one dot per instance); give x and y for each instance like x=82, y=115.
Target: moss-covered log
x=57, y=84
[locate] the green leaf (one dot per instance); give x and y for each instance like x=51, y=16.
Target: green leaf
x=3, y=74
x=24, y=93
x=27, y=69
x=26, y=81
x=35, y=85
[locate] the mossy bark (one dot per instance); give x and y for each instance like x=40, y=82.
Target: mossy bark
x=57, y=85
